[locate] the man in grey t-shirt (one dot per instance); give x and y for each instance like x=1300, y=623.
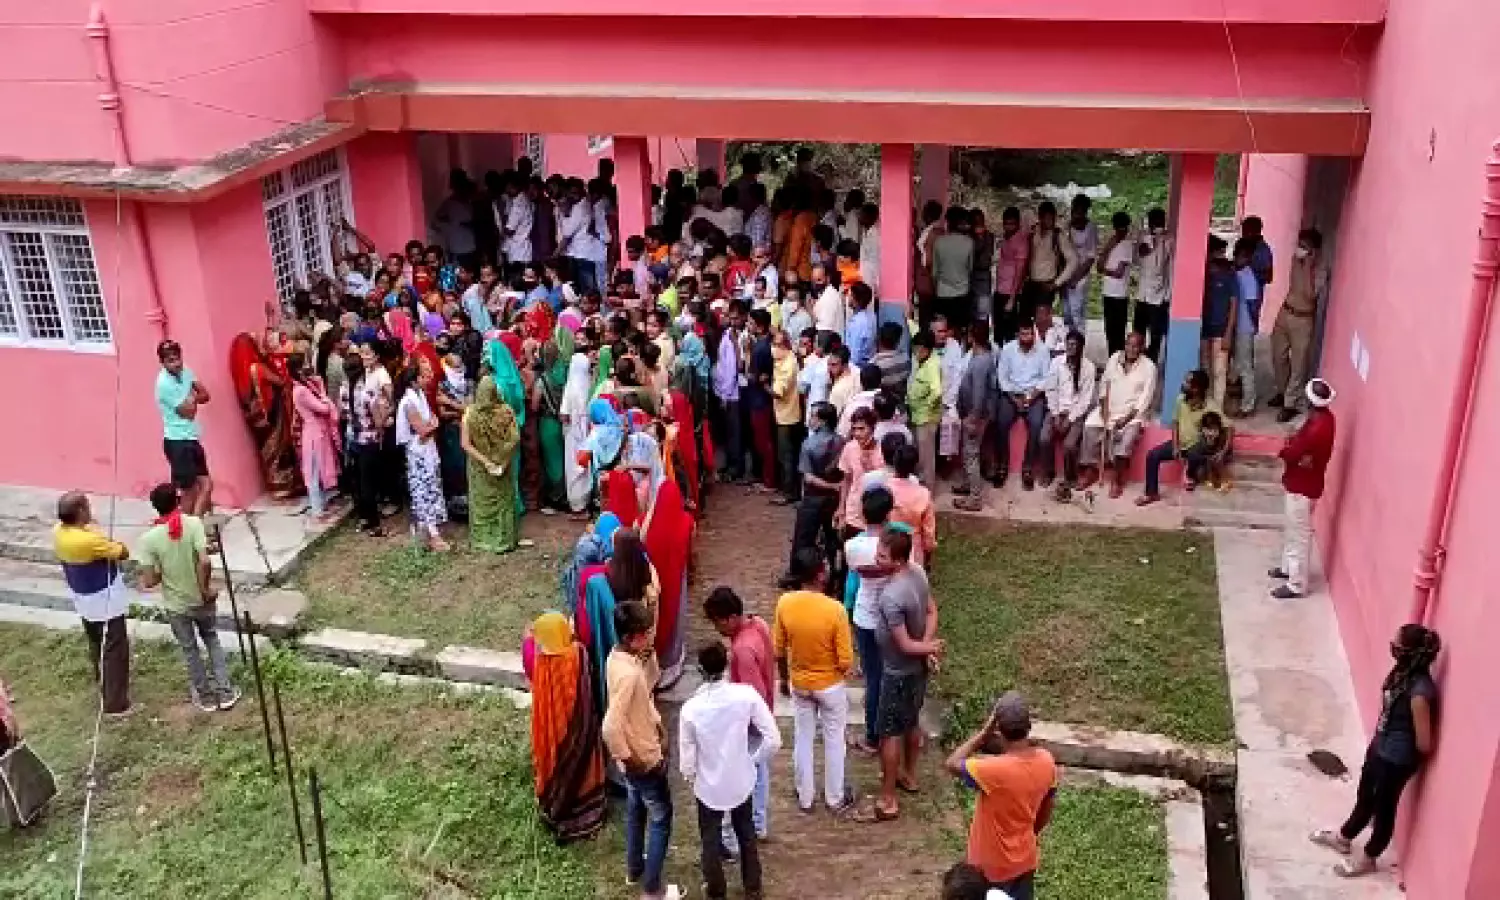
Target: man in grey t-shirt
x=907, y=634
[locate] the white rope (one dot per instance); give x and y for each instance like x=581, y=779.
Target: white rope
x=91, y=783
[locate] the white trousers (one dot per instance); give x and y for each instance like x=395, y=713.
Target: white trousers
x=1296, y=541
x=828, y=708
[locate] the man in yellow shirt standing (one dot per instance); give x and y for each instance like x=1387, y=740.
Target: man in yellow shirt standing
x=814, y=652
x=91, y=566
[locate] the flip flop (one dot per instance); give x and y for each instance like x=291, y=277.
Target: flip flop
x=874, y=815
x=907, y=787
x=1356, y=867
x=1327, y=837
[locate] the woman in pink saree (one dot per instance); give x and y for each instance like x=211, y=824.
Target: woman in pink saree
x=318, y=443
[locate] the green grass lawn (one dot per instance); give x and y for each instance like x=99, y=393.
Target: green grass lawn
x=426, y=795
x=1114, y=627
x=463, y=597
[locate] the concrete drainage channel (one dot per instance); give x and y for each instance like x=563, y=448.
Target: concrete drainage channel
x=1212, y=774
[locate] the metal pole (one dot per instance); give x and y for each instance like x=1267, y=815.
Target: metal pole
x=260, y=693
x=234, y=606
x=291, y=778
x=317, y=801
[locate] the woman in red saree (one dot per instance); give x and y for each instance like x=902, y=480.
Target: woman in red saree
x=681, y=444
x=263, y=384
x=566, y=758
x=668, y=535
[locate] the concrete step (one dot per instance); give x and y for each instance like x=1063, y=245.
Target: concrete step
x=41, y=586
x=1242, y=498
x=1218, y=518
x=1256, y=470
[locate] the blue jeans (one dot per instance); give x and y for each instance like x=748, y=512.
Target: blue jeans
x=1163, y=452
x=1035, y=418
x=869, y=661
x=648, y=827
x=760, y=809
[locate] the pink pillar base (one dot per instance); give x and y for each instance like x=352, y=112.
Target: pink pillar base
x=895, y=223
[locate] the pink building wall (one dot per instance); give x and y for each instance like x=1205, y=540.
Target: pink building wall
x=1401, y=284
x=197, y=77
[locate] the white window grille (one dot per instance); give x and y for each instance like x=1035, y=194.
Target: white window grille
x=302, y=204
x=535, y=147
x=598, y=143
x=49, y=280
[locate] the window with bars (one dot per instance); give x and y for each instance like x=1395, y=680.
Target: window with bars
x=598, y=143
x=303, y=203
x=535, y=147
x=49, y=282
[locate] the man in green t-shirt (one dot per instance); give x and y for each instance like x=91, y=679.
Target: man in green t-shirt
x=174, y=554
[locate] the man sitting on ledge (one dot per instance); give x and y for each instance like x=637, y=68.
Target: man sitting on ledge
x=1125, y=394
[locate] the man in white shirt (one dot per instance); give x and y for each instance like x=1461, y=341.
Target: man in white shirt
x=1051, y=334
x=1125, y=394
x=515, y=230
x=1085, y=237
x=1156, y=254
x=575, y=235
x=813, y=381
x=952, y=360
x=829, y=310
x=1070, y=399
x=1115, y=262
x=725, y=731
x=869, y=246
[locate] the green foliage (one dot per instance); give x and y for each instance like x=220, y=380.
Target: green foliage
x=1130, y=638
x=402, y=568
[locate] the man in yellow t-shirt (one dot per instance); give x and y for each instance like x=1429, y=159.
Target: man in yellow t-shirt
x=91, y=565
x=814, y=651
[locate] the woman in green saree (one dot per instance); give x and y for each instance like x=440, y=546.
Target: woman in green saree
x=556, y=354
x=501, y=360
x=491, y=437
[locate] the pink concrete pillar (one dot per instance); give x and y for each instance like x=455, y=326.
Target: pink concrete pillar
x=1195, y=201
x=711, y=156
x=935, y=167
x=1274, y=190
x=633, y=182
x=385, y=178
x=896, y=163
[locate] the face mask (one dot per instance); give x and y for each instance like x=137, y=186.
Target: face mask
x=1303, y=253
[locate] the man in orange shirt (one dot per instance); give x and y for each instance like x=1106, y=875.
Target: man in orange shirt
x=1016, y=788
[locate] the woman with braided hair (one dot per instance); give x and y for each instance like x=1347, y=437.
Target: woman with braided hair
x=1403, y=739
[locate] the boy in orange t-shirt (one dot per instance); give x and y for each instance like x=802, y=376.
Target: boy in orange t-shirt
x=1016, y=787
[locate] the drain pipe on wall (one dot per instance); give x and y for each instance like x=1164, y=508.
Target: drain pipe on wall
x=1431, y=555
x=109, y=100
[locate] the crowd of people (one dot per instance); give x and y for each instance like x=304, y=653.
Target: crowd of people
x=535, y=362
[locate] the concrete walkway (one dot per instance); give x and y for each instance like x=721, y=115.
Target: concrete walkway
x=262, y=543
x=1290, y=684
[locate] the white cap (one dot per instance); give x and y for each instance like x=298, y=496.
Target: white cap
x=1312, y=395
